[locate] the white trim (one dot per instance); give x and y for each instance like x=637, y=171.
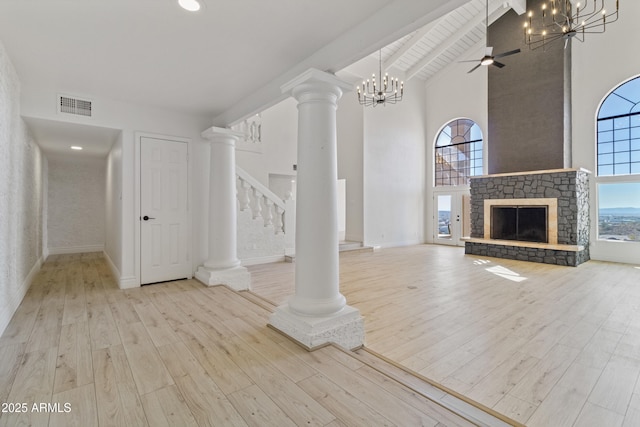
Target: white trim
x=112, y=266
x=377, y=246
x=126, y=282
x=75, y=249
x=12, y=304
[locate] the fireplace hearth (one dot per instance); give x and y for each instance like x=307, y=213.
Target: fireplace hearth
x=540, y=216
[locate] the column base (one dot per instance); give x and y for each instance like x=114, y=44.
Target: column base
x=345, y=328
x=237, y=278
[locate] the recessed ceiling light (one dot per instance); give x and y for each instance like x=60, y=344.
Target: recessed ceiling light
x=190, y=5
x=76, y=147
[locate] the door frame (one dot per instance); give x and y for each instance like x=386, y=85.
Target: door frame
x=138, y=199
x=457, y=194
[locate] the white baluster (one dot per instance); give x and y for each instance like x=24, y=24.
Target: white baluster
x=268, y=213
x=243, y=194
x=279, y=225
x=257, y=203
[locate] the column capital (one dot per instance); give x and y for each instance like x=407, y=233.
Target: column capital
x=217, y=134
x=317, y=80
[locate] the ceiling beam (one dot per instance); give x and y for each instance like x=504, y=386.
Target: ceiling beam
x=375, y=32
x=518, y=6
x=415, y=39
x=495, y=10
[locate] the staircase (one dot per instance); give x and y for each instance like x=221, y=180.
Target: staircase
x=266, y=223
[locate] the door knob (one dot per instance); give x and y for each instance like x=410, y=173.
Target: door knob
x=147, y=218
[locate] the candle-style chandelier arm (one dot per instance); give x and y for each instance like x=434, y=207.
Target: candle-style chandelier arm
x=561, y=19
x=387, y=91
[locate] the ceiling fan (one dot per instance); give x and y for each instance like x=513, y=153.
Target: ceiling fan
x=488, y=58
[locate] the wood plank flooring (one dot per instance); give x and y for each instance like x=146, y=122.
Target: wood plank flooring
x=545, y=345
x=179, y=354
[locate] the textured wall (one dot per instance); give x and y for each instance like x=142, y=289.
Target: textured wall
x=525, y=101
x=21, y=166
x=76, y=203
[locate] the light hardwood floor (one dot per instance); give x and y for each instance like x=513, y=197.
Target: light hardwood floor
x=545, y=345
x=179, y=354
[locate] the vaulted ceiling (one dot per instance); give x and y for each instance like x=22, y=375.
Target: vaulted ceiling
x=229, y=60
x=425, y=52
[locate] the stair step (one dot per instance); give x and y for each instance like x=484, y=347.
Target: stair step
x=475, y=412
x=347, y=246
x=258, y=300
x=344, y=247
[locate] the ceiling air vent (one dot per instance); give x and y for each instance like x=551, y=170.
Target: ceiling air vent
x=78, y=107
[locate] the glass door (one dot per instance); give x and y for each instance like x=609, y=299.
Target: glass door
x=452, y=215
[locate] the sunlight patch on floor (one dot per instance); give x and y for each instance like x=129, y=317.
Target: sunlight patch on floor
x=504, y=272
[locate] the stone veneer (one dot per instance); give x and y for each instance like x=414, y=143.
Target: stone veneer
x=569, y=186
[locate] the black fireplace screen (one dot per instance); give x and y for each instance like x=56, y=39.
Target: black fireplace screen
x=525, y=223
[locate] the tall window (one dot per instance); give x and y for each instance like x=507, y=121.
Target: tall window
x=618, y=150
x=619, y=131
x=458, y=153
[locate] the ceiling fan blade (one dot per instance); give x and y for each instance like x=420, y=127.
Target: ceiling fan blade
x=503, y=54
x=498, y=64
x=469, y=60
x=488, y=51
x=473, y=69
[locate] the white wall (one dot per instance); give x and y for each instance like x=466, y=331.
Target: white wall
x=76, y=204
x=451, y=94
x=38, y=102
x=394, y=170
x=21, y=183
x=350, y=127
x=279, y=143
x=113, y=207
x=600, y=64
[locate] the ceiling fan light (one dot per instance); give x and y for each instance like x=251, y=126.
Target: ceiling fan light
x=486, y=61
x=190, y=5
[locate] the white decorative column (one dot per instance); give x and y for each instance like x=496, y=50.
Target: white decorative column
x=317, y=313
x=223, y=266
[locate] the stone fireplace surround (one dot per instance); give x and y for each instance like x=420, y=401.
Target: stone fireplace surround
x=564, y=191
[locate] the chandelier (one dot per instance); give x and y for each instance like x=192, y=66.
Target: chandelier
x=386, y=91
x=560, y=20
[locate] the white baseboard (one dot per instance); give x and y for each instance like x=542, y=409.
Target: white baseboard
x=262, y=260
x=123, y=282
x=76, y=249
x=114, y=270
x=377, y=246
x=8, y=310
x=128, y=282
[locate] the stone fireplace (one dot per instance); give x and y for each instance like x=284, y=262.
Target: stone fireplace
x=539, y=216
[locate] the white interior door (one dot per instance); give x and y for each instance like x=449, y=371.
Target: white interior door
x=452, y=217
x=164, y=212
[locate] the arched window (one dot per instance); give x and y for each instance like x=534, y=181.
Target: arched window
x=618, y=151
x=619, y=131
x=458, y=153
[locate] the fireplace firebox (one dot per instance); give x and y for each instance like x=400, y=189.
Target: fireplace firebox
x=522, y=223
